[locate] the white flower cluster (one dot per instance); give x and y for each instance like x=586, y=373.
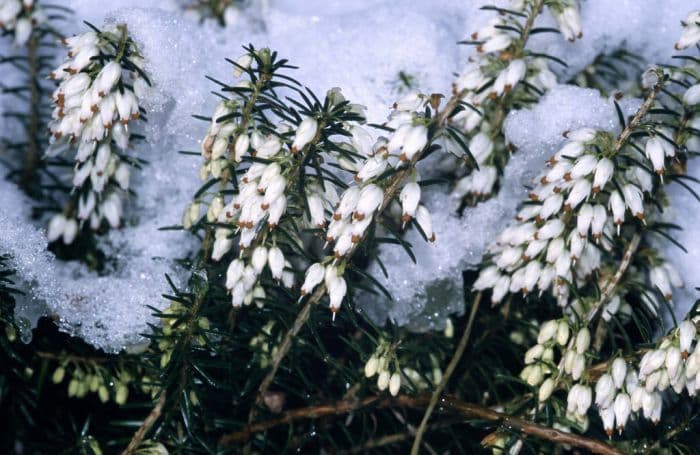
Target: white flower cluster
x=555, y=340
x=566, y=14
x=20, y=17
x=573, y=212
x=380, y=363
x=358, y=205
x=691, y=31
x=498, y=68
x=95, y=102
x=262, y=197
x=623, y=391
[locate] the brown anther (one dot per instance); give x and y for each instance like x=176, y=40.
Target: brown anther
x=596, y=190
x=567, y=177
x=533, y=197
x=337, y=216
x=556, y=190
x=356, y=238
x=294, y=150
x=544, y=180
x=95, y=108
x=264, y=206
x=358, y=179
x=359, y=216
x=567, y=207
x=402, y=157
x=435, y=99
x=639, y=216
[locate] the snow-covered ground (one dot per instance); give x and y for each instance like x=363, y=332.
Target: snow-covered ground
x=360, y=46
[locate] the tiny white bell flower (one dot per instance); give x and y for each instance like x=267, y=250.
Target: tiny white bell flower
x=305, y=133
x=687, y=332
x=370, y=198
x=108, y=77
x=259, y=259
x=673, y=360
x=659, y=278
x=634, y=199
x=70, y=231
x=410, y=198
x=275, y=260
x=314, y=276
x=580, y=191
x=316, y=210
x=234, y=272
x=416, y=140
x=495, y=43
x=425, y=221
x=56, y=227
x=337, y=289
x=242, y=64
x=619, y=372
x=691, y=96
x=607, y=415
x=221, y=246
x=604, y=391
x=121, y=175
x=411, y=102
x=373, y=167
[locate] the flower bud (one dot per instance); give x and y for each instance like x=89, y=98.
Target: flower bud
x=394, y=384
x=619, y=372
x=583, y=340
x=371, y=366
x=383, y=380
x=546, y=390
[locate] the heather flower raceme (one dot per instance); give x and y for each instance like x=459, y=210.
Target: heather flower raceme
x=95, y=106
x=20, y=17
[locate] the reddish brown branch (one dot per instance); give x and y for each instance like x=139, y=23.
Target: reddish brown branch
x=449, y=404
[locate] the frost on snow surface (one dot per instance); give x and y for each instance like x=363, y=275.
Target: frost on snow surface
x=359, y=46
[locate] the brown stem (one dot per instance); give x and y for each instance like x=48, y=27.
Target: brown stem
x=451, y=404
x=636, y=120
x=137, y=439
x=448, y=374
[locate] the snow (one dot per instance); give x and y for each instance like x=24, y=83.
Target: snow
x=360, y=46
